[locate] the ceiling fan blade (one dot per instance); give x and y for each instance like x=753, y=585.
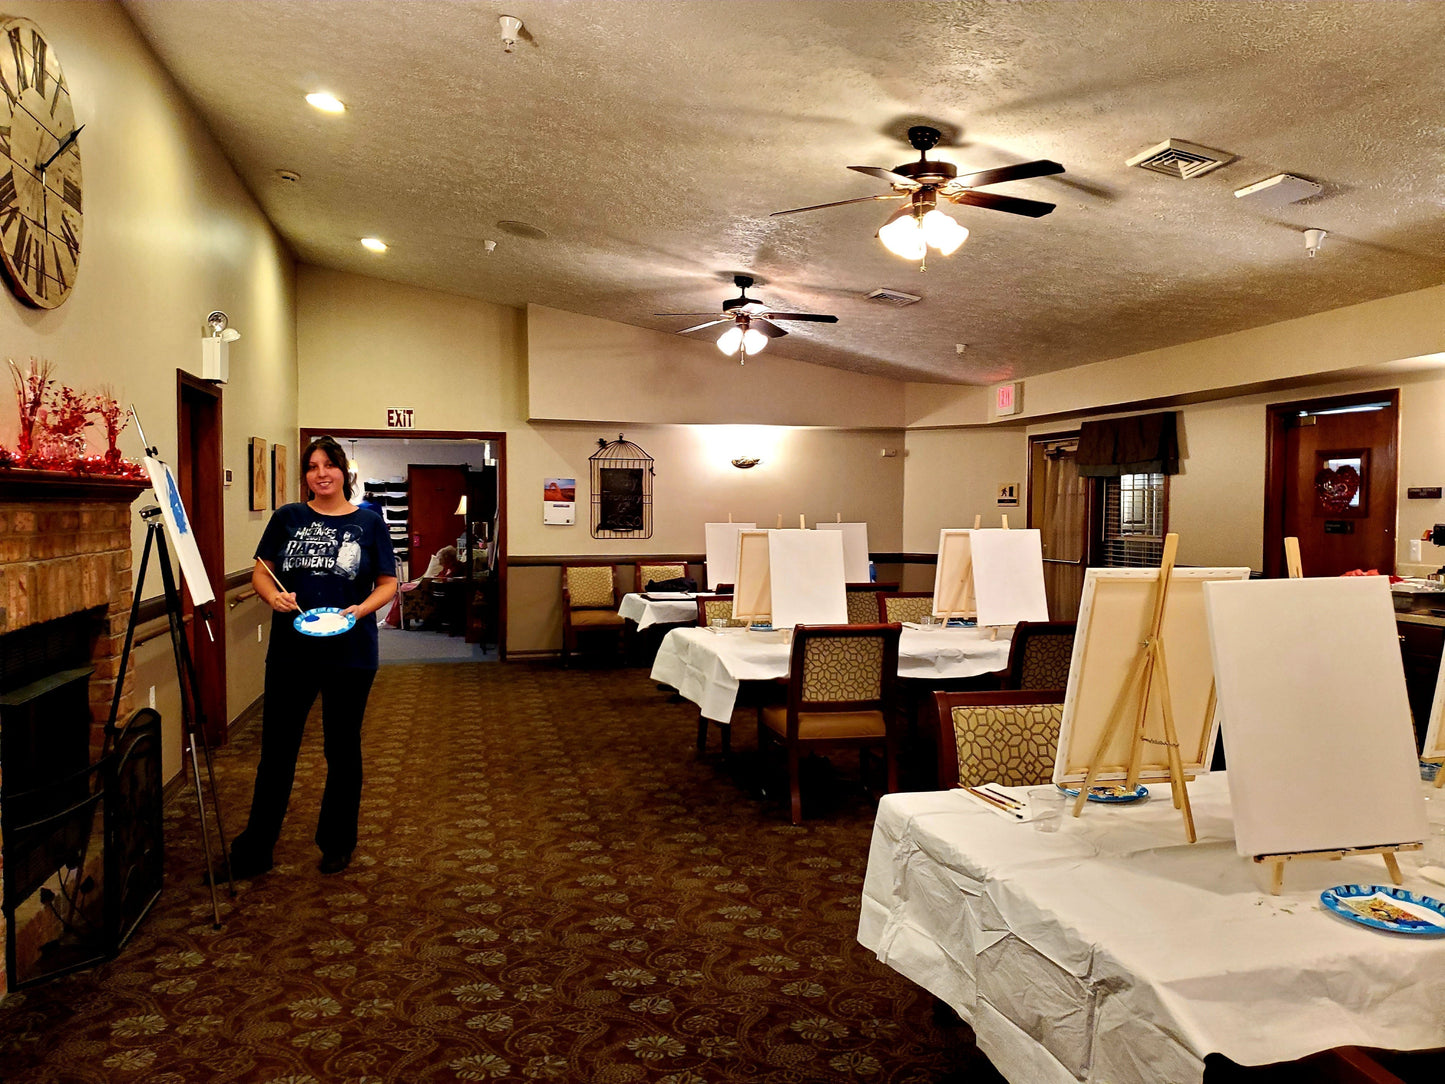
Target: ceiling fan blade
x=1020, y=172
x=767, y=327
x=815, y=316
x=710, y=323
x=885, y=175
x=1030, y=208
x=838, y=203
x=712, y=314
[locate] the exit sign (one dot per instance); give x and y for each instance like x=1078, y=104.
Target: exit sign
x=1006, y=399
x=400, y=418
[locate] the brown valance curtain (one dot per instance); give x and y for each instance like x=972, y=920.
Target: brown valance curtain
x=1143, y=444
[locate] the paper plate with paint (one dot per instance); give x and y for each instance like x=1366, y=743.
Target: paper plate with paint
x=1115, y=793
x=324, y=621
x=1384, y=907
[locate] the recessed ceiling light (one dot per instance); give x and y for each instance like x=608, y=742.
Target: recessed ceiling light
x=327, y=103
x=375, y=244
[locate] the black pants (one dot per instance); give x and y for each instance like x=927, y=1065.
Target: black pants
x=291, y=688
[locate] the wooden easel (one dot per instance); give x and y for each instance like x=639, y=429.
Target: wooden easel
x=967, y=601
x=1149, y=676
x=1292, y=563
x=1387, y=852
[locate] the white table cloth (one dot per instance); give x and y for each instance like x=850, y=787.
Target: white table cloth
x=647, y=612
x=705, y=665
x=1112, y=950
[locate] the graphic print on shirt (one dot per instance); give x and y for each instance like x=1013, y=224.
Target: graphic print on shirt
x=324, y=548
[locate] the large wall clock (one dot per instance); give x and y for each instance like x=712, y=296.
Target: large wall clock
x=40, y=187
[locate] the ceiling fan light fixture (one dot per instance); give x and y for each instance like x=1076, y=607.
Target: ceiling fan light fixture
x=730, y=340
x=753, y=341
x=904, y=237
x=942, y=232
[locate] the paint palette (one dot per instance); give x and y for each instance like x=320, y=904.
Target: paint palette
x=1384, y=907
x=324, y=621
x=1113, y=793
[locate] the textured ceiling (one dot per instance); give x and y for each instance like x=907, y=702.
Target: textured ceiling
x=649, y=140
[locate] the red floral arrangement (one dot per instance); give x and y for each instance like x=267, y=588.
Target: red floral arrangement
x=53, y=421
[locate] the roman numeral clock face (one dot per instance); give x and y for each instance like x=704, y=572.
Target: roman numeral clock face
x=40, y=182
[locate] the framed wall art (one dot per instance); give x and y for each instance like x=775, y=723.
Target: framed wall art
x=259, y=494
x=279, y=479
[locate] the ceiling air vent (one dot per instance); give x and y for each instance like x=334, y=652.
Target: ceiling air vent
x=1181, y=160
x=897, y=298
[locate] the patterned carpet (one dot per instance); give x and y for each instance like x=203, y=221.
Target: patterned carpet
x=549, y=886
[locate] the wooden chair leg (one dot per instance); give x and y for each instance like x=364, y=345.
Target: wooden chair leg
x=702, y=725
x=795, y=798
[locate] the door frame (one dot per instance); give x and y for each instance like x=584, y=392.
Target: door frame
x=1277, y=416
x=1087, y=547
x=498, y=440
x=200, y=473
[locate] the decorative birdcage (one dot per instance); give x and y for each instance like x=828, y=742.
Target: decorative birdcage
x=621, y=490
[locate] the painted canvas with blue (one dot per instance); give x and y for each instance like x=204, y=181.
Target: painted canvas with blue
x=179, y=535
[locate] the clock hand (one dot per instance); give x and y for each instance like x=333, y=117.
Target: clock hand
x=64, y=145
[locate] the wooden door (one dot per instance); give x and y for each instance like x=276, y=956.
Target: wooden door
x=1332, y=476
x=433, y=493
x=199, y=472
x=1059, y=507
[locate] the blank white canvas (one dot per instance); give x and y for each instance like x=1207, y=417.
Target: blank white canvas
x=1008, y=577
x=855, y=549
x=721, y=540
x=1315, y=716
x=807, y=578
x=953, y=574
x=1435, y=734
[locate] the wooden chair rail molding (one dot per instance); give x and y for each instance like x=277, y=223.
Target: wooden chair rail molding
x=546, y=560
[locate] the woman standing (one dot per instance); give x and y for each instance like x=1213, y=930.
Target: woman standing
x=328, y=552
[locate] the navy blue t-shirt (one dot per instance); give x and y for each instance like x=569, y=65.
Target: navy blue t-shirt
x=327, y=561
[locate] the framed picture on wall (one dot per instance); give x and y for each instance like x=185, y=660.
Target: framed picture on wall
x=278, y=476
x=258, y=475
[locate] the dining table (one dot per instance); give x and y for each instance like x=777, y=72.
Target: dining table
x=1107, y=948
x=707, y=665
x=666, y=608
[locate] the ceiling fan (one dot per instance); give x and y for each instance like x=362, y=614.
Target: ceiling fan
x=751, y=320
x=919, y=224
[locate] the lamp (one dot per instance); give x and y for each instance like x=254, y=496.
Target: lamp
x=922, y=226
x=741, y=339
x=215, y=348
x=461, y=506
x=743, y=462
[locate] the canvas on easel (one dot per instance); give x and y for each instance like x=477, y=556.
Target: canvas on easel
x=721, y=541
x=1140, y=685
x=753, y=588
x=1322, y=756
x=953, y=588
x=1435, y=733
x=855, y=549
x=806, y=572
x=1008, y=577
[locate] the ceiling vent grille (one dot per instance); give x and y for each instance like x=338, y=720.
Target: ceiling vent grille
x=1180, y=160
x=897, y=298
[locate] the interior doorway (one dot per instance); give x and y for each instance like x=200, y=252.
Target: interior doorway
x=388, y=454
x=200, y=475
x=1331, y=481
x=1061, y=507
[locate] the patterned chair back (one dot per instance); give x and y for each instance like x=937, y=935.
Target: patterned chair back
x=1005, y=737
x=712, y=608
x=862, y=599
x=1040, y=654
x=905, y=605
x=843, y=667
x=590, y=587
x=656, y=573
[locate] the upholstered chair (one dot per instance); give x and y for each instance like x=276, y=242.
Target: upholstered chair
x=589, y=604
x=1007, y=737
x=655, y=573
x=862, y=599
x=903, y=605
x=1039, y=655
x=841, y=684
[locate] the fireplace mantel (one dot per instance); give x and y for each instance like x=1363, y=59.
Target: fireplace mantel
x=54, y=485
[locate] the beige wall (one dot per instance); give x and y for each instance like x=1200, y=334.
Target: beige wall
x=170, y=234
x=462, y=364
x=652, y=376
x=953, y=475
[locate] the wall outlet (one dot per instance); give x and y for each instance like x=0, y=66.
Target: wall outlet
x=258, y=634
x=1415, y=549
x=153, y=697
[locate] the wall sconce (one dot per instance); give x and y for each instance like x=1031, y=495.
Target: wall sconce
x=743, y=462
x=215, y=348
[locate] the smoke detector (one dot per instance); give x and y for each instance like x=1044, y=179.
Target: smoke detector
x=897, y=298
x=1180, y=160
x=1278, y=190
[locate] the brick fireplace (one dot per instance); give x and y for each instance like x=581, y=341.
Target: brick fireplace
x=65, y=596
